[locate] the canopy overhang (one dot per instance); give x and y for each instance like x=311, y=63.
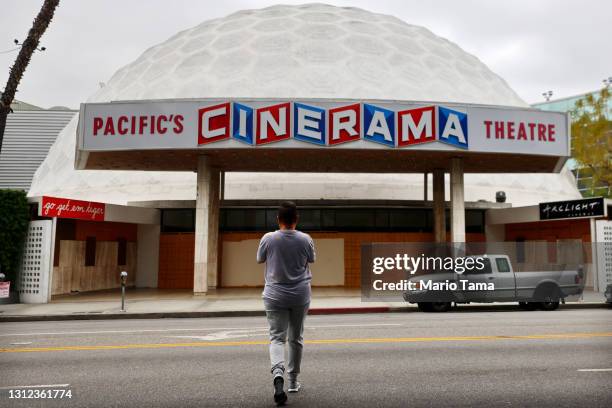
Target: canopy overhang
x=319, y=136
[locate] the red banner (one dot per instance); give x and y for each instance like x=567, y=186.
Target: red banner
x=68, y=208
x=4, y=289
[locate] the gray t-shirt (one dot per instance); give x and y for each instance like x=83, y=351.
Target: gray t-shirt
x=287, y=254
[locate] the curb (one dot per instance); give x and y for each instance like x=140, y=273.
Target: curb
x=123, y=315
x=260, y=313
x=187, y=315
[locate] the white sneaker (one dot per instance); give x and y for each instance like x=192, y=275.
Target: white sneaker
x=294, y=386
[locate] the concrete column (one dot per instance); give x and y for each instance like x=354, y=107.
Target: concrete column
x=213, y=228
x=222, y=186
x=597, y=270
x=457, y=201
x=206, y=227
x=439, y=206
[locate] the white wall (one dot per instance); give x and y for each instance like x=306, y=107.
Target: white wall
x=239, y=266
x=603, y=237
x=134, y=215
x=328, y=270
x=521, y=189
x=512, y=215
x=147, y=264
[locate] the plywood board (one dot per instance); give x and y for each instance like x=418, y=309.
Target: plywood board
x=239, y=266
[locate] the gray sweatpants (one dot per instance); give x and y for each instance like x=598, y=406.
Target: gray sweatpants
x=286, y=322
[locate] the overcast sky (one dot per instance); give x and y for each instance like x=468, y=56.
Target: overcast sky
x=536, y=45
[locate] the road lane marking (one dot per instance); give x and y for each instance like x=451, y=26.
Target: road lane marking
x=227, y=334
x=594, y=369
x=35, y=386
x=561, y=336
x=330, y=326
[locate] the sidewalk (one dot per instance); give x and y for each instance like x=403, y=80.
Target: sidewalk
x=154, y=303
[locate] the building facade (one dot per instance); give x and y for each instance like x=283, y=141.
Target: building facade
x=29, y=134
x=191, y=217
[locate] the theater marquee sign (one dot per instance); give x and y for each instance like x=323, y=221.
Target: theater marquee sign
x=587, y=207
x=324, y=124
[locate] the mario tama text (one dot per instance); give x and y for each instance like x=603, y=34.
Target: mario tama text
x=402, y=265
x=431, y=285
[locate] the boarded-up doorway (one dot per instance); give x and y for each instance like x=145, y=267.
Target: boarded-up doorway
x=176, y=255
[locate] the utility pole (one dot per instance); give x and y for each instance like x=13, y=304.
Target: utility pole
x=41, y=22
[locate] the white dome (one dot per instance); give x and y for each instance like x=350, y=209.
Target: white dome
x=307, y=51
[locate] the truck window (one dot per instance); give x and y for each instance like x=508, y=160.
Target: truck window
x=502, y=264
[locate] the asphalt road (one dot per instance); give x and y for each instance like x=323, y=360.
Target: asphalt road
x=484, y=358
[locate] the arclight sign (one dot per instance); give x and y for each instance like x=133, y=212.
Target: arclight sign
x=238, y=124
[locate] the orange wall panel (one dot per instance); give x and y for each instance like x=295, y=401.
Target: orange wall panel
x=176, y=255
x=550, y=231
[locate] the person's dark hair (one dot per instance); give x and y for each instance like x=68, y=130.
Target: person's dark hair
x=287, y=213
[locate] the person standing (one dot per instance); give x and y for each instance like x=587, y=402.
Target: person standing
x=287, y=254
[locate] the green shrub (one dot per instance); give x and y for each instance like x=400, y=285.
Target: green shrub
x=14, y=218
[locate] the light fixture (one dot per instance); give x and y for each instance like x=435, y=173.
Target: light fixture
x=18, y=44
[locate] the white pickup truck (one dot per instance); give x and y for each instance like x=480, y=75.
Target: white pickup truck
x=538, y=289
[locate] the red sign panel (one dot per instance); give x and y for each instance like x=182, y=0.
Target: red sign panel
x=344, y=124
x=416, y=126
x=68, y=208
x=213, y=123
x=273, y=123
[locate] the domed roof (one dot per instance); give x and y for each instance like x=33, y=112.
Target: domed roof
x=307, y=51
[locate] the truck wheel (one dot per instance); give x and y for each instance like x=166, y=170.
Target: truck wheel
x=547, y=296
x=549, y=305
x=424, y=306
x=440, y=307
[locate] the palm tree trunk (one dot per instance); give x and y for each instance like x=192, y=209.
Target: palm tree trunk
x=23, y=59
